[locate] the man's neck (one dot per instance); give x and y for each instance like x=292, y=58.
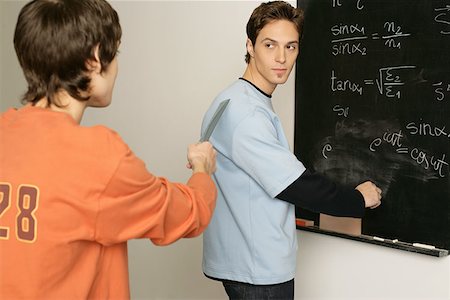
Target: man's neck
x=67, y=104
x=258, y=81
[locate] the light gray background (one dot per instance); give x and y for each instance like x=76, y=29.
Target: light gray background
x=175, y=57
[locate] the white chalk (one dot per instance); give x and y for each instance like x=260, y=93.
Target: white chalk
x=378, y=239
x=419, y=245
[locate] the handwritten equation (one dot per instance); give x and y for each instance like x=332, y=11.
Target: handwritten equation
x=348, y=39
x=389, y=83
x=423, y=158
x=441, y=17
x=438, y=163
x=353, y=39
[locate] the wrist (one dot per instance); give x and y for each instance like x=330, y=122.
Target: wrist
x=199, y=167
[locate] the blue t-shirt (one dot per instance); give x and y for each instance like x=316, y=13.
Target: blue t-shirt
x=252, y=235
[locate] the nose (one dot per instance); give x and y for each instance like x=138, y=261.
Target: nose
x=280, y=56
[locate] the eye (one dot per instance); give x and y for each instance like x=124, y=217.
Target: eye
x=291, y=47
x=269, y=45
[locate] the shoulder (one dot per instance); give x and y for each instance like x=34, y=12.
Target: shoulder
x=101, y=148
x=238, y=91
x=100, y=154
x=245, y=101
x=101, y=140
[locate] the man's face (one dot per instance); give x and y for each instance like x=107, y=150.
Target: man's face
x=274, y=54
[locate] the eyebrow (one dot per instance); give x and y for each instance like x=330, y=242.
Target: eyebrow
x=274, y=41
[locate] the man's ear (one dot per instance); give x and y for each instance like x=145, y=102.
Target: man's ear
x=250, y=49
x=94, y=64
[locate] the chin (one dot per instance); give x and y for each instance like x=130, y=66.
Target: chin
x=280, y=80
x=100, y=102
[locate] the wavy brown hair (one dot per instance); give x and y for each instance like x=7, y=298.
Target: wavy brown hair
x=272, y=11
x=55, y=38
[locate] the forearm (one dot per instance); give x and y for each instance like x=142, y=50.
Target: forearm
x=317, y=193
x=189, y=211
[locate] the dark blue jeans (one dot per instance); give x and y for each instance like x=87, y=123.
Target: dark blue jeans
x=245, y=291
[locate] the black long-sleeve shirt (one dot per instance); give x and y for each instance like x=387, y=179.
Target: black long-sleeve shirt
x=317, y=193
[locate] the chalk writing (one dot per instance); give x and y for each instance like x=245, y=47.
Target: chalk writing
x=424, y=159
x=325, y=149
x=396, y=32
x=348, y=48
x=338, y=3
x=421, y=157
x=441, y=90
x=392, y=138
x=390, y=79
x=427, y=129
x=389, y=82
x=341, y=111
x=345, y=29
x=344, y=85
x=346, y=41
x=442, y=17
x=348, y=38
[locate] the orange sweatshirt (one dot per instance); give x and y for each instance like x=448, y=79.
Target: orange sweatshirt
x=71, y=197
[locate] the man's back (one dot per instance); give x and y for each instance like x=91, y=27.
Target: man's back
x=71, y=198
x=54, y=181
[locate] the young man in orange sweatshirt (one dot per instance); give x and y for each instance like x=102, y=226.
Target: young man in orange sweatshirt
x=72, y=196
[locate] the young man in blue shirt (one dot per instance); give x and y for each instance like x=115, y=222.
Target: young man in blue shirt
x=251, y=242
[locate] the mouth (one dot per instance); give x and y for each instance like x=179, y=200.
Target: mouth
x=279, y=71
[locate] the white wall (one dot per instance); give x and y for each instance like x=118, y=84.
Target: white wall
x=175, y=57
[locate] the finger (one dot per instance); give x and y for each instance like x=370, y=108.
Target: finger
x=375, y=206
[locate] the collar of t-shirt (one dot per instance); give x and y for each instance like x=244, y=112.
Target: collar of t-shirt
x=265, y=94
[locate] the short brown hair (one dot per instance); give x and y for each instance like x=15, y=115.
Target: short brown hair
x=55, y=38
x=271, y=11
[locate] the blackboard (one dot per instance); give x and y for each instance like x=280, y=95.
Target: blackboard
x=373, y=103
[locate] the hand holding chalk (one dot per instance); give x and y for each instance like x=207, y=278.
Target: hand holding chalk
x=371, y=194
